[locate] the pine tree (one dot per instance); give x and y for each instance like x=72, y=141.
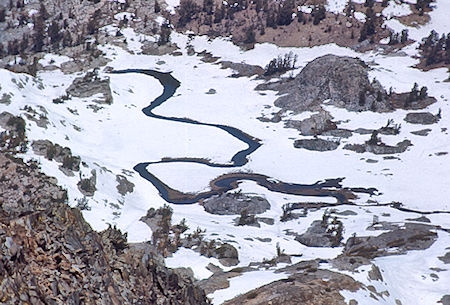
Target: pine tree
x=285, y=11
x=186, y=10
x=38, y=35
x=157, y=7
x=219, y=13
x=208, y=6
x=318, y=14
x=43, y=11
x=54, y=33
x=404, y=37
x=164, y=34
x=2, y=15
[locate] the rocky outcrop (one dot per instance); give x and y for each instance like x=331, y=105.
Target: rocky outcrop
x=398, y=241
x=342, y=80
x=379, y=149
x=242, y=69
x=322, y=234
x=50, y=255
x=423, y=118
x=445, y=258
x=376, y=146
x=124, y=186
x=235, y=204
x=13, y=139
x=87, y=185
x=316, y=144
x=90, y=85
x=317, y=124
x=227, y=255
x=62, y=155
x=308, y=287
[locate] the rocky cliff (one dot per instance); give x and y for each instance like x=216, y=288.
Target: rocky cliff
x=50, y=255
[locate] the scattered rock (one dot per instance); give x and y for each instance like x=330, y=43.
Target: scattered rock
x=422, y=132
x=246, y=220
x=375, y=274
x=5, y=99
x=339, y=133
x=319, y=235
x=152, y=48
x=398, y=241
x=13, y=139
x=317, y=124
x=58, y=153
x=266, y=220
x=264, y=239
x=424, y=118
x=316, y=144
x=346, y=213
x=363, y=131
x=445, y=300
x=379, y=148
x=227, y=255
x=87, y=185
x=235, y=203
x=445, y=258
x=421, y=219
x=219, y=280
x=242, y=69
x=124, y=185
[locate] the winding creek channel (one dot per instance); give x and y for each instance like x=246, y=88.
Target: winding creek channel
x=226, y=182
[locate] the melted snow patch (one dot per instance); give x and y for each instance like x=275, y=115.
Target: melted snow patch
x=171, y=5
x=360, y=16
x=395, y=9
x=336, y=6
x=54, y=59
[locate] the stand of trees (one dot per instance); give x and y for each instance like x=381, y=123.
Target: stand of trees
x=436, y=49
x=281, y=64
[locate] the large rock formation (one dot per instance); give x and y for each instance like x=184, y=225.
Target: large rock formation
x=235, y=203
x=90, y=85
x=341, y=79
x=308, y=287
x=50, y=255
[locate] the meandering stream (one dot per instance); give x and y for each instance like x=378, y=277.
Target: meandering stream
x=226, y=182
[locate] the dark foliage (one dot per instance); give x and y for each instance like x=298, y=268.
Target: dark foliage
x=281, y=64
x=318, y=14
x=369, y=26
x=164, y=34
x=186, y=10
x=436, y=50
x=285, y=11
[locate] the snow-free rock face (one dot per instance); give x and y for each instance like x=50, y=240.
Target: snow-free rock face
x=304, y=287
x=90, y=85
x=341, y=79
x=234, y=204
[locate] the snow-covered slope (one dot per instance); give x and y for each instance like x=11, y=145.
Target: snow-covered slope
x=112, y=139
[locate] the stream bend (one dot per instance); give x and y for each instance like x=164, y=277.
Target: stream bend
x=226, y=182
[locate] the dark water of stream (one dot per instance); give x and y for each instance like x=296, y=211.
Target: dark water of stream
x=226, y=182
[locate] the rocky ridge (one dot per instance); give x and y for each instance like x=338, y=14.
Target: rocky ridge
x=50, y=255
